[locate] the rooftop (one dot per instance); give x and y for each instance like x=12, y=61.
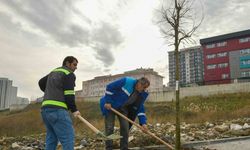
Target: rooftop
x=225, y=37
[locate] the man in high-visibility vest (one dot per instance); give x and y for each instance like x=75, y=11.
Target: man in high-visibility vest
x=59, y=97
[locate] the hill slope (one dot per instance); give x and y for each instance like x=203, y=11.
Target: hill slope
x=194, y=109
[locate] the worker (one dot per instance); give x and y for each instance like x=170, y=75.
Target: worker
x=127, y=95
x=59, y=97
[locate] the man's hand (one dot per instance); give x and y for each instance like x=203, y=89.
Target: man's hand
x=76, y=113
x=108, y=106
x=144, y=128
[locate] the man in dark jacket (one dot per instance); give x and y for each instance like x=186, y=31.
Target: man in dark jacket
x=127, y=95
x=59, y=97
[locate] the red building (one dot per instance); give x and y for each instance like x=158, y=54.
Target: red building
x=226, y=57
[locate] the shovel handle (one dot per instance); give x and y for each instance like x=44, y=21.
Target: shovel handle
x=140, y=127
x=88, y=124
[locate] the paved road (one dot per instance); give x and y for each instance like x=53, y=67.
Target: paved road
x=236, y=145
x=239, y=143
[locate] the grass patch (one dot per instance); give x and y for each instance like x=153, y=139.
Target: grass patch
x=193, y=110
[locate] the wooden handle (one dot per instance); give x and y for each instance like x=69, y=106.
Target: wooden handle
x=140, y=127
x=88, y=124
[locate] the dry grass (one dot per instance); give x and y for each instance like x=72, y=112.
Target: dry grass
x=21, y=123
x=200, y=109
x=194, y=110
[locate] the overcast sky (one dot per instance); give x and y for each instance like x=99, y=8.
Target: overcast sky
x=107, y=37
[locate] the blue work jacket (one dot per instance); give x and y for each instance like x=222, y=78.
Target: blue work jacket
x=117, y=94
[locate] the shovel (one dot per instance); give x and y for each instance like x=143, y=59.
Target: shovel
x=100, y=135
x=137, y=125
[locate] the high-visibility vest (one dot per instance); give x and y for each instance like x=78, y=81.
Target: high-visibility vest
x=54, y=92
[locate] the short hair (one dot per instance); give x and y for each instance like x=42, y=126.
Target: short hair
x=69, y=59
x=144, y=81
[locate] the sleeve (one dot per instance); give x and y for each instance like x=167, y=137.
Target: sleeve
x=112, y=88
x=142, y=115
x=69, y=93
x=42, y=83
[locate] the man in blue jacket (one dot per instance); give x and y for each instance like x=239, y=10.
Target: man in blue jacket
x=127, y=95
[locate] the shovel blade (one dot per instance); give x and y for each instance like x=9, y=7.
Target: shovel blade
x=114, y=137
x=102, y=136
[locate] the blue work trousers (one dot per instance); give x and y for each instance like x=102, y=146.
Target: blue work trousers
x=59, y=127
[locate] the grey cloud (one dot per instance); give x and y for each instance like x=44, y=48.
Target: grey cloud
x=86, y=19
x=73, y=37
x=6, y=23
x=107, y=70
x=53, y=18
x=221, y=16
x=226, y=19
x=104, y=55
x=87, y=70
x=107, y=33
x=212, y=8
x=122, y=3
x=10, y=28
x=106, y=37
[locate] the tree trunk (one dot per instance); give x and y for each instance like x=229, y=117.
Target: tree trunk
x=177, y=91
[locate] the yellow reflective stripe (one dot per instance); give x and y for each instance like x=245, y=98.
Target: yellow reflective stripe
x=69, y=92
x=61, y=70
x=54, y=102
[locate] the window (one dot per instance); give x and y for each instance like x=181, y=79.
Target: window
x=244, y=40
x=224, y=54
x=225, y=76
x=245, y=74
x=222, y=65
x=210, y=46
x=210, y=56
x=245, y=51
x=213, y=66
x=246, y=62
x=221, y=44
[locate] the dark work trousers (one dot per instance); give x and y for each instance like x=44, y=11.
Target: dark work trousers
x=109, y=129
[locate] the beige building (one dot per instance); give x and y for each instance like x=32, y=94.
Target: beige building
x=97, y=86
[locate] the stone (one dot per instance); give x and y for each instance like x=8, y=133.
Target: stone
x=131, y=138
x=83, y=142
x=78, y=147
x=158, y=124
x=27, y=148
x=235, y=127
x=15, y=145
x=166, y=131
x=221, y=128
x=238, y=132
x=209, y=125
x=245, y=126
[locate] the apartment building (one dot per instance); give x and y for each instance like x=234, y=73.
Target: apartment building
x=226, y=58
x=8, y=93
x=190, y=66
x=97, y=86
